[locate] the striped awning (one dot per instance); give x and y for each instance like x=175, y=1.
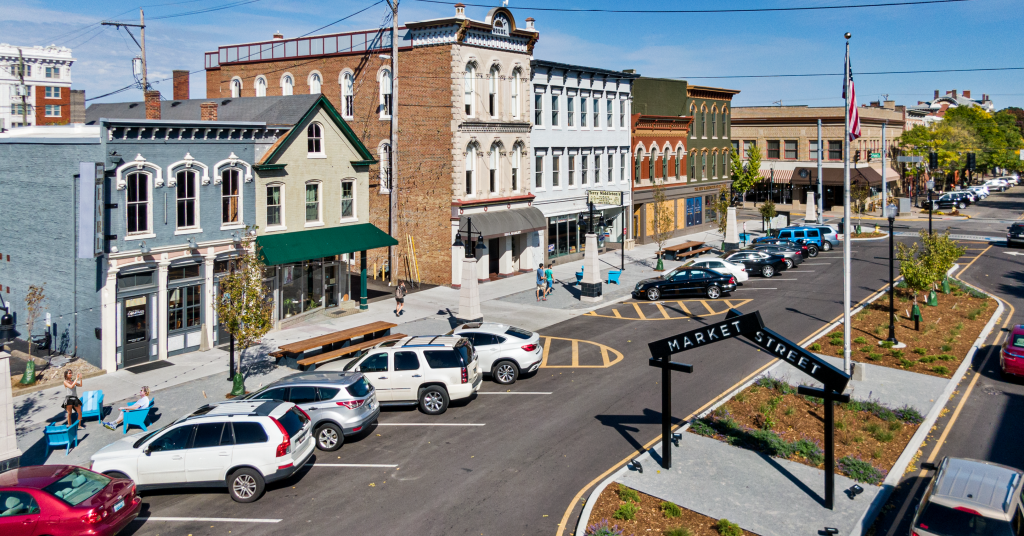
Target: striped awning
x=781, y=176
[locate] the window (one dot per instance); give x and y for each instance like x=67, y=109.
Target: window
x=247, y=433
x=470, y=168
x=747, y=146
x=175, y=439
x=138, y=203
x=835, y=150
x=312, y=202
x=186, y=194
x=714, y=165
x=184, y=307
x=230, y=195
x=493, y=171
x=664, y=165
x=492, y=94
x=236, y=88
x=515, y=167
x=597, y=169
x=609, y=114
x=714, y=122
x=16, y=70
x=538, y=173
x=437, y=359
x=572, y=169
x=385, y=167
x=274, y=206
x=703, y=166
x=261, y=87
x=21, y=109
x=583, y=112
x=704, y=122
x=52, y=92
x=53, y=72
x=693, y=167
x=611, y=166
x=554, y=110
x=385, y=94
x=52, y=110
x=375, y=363
x=736, y=145
x=790, y=149
x=622, y=167
x=315, y=83
x=725, y=123
x=584, y=179
x=406, y=361
x=207, y=435
x=637, y=163
x=347, y=95
x=348, y=199
x=468, y=80
x=773, y=149
x=654, y=160
x=314, y=140
x=570, y=105
x=679, y=160
x=17, y=503
x=597, y=115
x=301, y=395
x=287, y=84
x=538, y=110
x=622, y=113
x=515, y=93
x=555, y=161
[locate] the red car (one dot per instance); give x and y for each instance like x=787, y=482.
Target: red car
x=59, y=500
x=1011, y=357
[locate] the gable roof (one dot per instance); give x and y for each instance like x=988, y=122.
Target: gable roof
x=332, y=112
x=274, y=111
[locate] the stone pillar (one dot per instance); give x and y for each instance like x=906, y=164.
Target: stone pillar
x=505, y=267
x=483, y=257
x=590, y=286
x=209, y=308
x=811, y=215
x=469, y=292
x=108, y=322
x=161, y=309
x=10, y=455
x=732, y=235
x=458, y=253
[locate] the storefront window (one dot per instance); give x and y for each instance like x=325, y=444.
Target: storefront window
x=305, y=286
x=183, y=272
x=184, y=307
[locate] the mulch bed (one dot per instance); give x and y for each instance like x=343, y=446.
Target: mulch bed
x=947, y=332
x=649, y=519
x=868, y=235
x=770, y=417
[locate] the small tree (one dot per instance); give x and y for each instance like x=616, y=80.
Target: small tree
x=246, y=306
x=744, y=177
x=33, y=308
x=663, y=220
x=859, y=195
x=721, y=208
x=767, y=210
x=940, y=253
x=914, y=269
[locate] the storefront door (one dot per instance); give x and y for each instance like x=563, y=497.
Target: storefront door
x=136, y=331
x=493, y=255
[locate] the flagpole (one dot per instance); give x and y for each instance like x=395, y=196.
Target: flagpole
x=847, y=228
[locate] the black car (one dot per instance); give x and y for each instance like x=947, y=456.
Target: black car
x=685, y=280
x=806, y=249
x=757, y=262
x=950, y=200
x=1015, y=235
x=791, y=256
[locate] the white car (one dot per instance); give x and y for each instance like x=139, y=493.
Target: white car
x=429, y=371
x=505, y=351
x=980, y=192
x=721, y=266
x=998, y=185
x=242, y=445
x=1011, y=180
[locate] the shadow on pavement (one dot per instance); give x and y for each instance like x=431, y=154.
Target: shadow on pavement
x=621, y=424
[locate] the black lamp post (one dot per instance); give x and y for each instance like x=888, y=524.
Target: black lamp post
x=890, y=213
x=469, y=236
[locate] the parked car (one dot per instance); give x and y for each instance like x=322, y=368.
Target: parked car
x=429, y=371
x=757, y=262
x=241, y=444
x=1015, y=234
x=999, y=185
x=61, y=500
x=968, y=497
x=1011, y=356
x=1012, y=180
x=971, y=196
x=792, y=256
x=719, y=265
x=948, y=200
x=819, y=236
x=683, y=281
x=504, y=351
x=340, y=404
x=806, y=249
x=980, y=191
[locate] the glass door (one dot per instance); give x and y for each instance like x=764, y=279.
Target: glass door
x=136, y=330
x=331, y=285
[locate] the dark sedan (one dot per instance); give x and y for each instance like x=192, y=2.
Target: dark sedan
x=685, y=280
x=757, y=262
x=807, y=249
x=793, y=256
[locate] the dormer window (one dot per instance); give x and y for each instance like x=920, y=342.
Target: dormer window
x=314, y=140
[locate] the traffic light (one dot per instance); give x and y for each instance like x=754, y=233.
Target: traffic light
x=933, y=160
x=856, y=156
x=970, y=161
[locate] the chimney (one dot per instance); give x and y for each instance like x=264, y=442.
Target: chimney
x=889, y=105
x=152, y=105
x=180, y=85
x=984, y=96
x=529, y=23
x=208, y=111
x=953, y=93
x=967, y=93
x=460, y=11
x=629, y=71
x=278, y=35
x=936, y=93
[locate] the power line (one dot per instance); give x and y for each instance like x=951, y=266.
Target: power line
x=206, y=10
x=855, y=74
x=747, y=10
x=341, y=19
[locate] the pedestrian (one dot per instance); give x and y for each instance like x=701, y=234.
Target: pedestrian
x=141, y=403
x=550, y=277
x=71, y=401
x=541, y=282
x=400, y=293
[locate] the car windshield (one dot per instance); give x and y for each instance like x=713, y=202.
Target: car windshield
x=946, y=521
x=77, y=486
x=673, y=273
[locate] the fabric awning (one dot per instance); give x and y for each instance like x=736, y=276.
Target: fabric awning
x=833, y=176
x=782, y=176
x=318, y=243
x=506, y=222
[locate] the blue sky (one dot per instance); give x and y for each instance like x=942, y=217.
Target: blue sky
x=970, y=34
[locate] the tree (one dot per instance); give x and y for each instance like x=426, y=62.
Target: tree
x=745, y=177
x=767, y=210
x=663, y=219
x=246, y=305
x=924, y=266
x=859, y=195
x=33, y=308
x=721, y=208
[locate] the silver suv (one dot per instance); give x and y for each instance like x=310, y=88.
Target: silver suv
x=969, y=497
x=505, y=351
x=339, y=403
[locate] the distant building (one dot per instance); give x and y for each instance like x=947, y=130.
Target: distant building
x=47, y=86
x=934, y=110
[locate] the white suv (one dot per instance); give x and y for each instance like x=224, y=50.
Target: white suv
x=427, y=370
x=505, y=351
x=239, y=444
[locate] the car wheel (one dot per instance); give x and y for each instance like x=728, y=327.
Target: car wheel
x=826, y=246
x=329, y=437
x=505, y=373
x=789, y=264
x=433, y=400
x=653, y=294
x=714, y=292
x=767, y=271
x=117, y=474
x=961, y=205
x=245, y=485
x=812, y=251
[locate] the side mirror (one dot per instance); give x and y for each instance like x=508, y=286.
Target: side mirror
x=929, y=467
x=356, y=368
x=148, y=451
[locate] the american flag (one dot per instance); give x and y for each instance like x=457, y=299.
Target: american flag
x=852, y=116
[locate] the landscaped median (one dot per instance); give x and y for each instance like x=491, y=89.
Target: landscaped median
x=622, y=511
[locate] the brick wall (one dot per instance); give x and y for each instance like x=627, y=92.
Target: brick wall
x=64, y=103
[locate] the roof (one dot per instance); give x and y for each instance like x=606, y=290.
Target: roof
x=332, y=112
x=274, y=111
x=570, y=67
x=308, y=244
x=976, y=484
x=428, y=340
x=34, y=476
x=343, y=378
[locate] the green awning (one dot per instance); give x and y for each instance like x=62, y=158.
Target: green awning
x=318, y=243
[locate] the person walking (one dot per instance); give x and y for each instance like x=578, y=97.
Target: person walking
x=142, y=403
x=550, y=277
x=71, y=401
x=541, y=282
x=400, y=293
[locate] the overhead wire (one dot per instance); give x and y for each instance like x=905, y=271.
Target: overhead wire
x=689, y=11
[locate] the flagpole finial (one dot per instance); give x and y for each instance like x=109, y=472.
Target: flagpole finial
x=848, y=34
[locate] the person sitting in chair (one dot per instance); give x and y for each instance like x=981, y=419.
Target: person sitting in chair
x=142, y=403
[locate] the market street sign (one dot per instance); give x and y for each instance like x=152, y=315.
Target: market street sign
x=604, y=197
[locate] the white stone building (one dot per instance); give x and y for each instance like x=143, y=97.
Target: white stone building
x=47, y=85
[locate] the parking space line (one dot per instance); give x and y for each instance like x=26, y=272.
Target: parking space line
x=758, y=288
x=575, y=353
x=816, y=263
x=638, y=311
x=370, y=465
x=708, y=307
x=663, y=311
x=798, y=271
x=430, y=424
x=514, y=392
x=615, y=312
x=772, y=279
x=211, y=519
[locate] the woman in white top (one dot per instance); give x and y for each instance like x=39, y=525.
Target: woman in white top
x=71, y=401
x=142, y=403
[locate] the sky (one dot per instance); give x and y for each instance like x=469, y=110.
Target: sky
x=960, y=35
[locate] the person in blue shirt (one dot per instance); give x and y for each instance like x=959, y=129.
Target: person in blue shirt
x=541, y=283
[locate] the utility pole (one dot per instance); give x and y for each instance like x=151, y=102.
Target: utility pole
x=24, y=89
x=821, y=202
x=885, y=187
x=392, y=177
x=847, y=228
x=142, y=28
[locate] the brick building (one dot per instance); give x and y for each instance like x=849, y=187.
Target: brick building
x=47, y=86
x=462, y=108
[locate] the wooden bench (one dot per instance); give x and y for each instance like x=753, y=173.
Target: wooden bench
x=693, y=252
x=310, y=363
x=291, y=353
x=683, y=250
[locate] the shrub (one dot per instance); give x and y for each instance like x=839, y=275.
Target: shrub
x=875, y=357
x=815, y=347
x=680, y=531
x=860, y=340
x=603, y=529
x=906, y=363
x=927, y=359
x=940, y=370
x=946, y=347
x=872, y=428
x=626, y=511
x=728, y=528
x=860, y=470
x=700, y=427
x=789, y=411
x=876, y=454
x=884, y=436
x=741, y=397
x=628, y=494
x=809, y=450
x=866, y=348
x=778, y=384
x=886, y=344
x=896, y=353
x=853, y=405
x=946, y=357
x=879, y=410
x=671, y=509
x=920, y=351
x=973, y=315
x=895, y=426
x=909, y=415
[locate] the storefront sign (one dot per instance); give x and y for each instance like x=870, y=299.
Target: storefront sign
x=604, y=197
x=705, y=188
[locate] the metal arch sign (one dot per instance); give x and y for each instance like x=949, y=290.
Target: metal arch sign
x=752, y=327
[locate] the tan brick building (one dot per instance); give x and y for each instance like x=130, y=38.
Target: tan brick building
x=463, y=128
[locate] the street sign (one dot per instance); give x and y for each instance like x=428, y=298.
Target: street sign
x=604, y=197
x=910, y=159
x=876, y=155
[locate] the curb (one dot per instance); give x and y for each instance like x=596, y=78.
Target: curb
x=588, y=507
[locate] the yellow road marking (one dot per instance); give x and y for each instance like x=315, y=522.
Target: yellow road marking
x=616, y=311
x=972, y=262
x=663, y=314
x=682, y=305
x=606, y=352
x=708, y=307
x=575, y=353
x=663, y=311
x=638, y=311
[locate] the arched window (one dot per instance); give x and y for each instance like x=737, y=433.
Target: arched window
x=515, y=93
x=137, y=197
x=725, y=164
x=714, y=165
x=187, y=200
x=693, y=112
x=495, y=179
x=469, y=78
x=287, y=84
x=470, y=169
x=230, y=196
x=714, y=122
x=637, y=163
x=314, y=83
x=347, y=96
x=679, y=160
x=650, y=164
x=516, y=149
x=314, y=140
x=261, y=87
x=703, y=166
x=492, y=92
x=384, y=154
x=236, y=88
x=385, y=94
x=693, y=166
x=703, y=122
x=664, y=165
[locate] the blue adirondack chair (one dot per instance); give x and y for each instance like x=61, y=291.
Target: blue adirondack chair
x=137, y=417
x=92, y=404
x=579, y=277
x=613, y=276
x=61, y=435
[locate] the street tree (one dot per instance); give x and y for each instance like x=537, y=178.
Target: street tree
x=721, y=208
x=246, y=305
x=33, y=308
x=663, y=220
x=767, y=210
x=745, y=175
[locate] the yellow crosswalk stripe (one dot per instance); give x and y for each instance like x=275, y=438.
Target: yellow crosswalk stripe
x=663, y=311
x=638, y=311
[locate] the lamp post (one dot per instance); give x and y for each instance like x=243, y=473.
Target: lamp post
x=890, y=212
x=931, y=186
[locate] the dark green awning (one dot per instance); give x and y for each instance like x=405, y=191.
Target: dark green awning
x=318, y=243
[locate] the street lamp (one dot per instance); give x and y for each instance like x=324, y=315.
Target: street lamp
x=469, y=236
x=890, y=213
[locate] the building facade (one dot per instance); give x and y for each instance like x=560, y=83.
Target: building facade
x=43, y=76
x=581, y=142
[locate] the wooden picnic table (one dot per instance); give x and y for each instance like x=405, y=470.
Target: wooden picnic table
x=686, y=249
x=292, y=353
